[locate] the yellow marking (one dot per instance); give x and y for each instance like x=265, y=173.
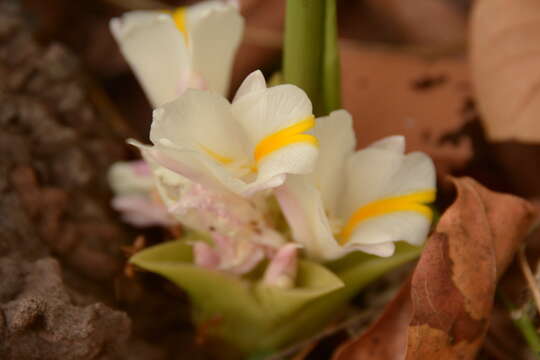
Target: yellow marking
x=252, y=168
x=218, y=157
x=411, y=202
x=179, y=17
x=288, y=136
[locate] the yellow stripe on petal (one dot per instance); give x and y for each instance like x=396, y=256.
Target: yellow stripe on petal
x=179, y=17
x=225, y=160
x=414, y=202
x=288, y=136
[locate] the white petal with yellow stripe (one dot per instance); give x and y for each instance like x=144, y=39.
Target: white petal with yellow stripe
x=215, y=30
x=172, y=50
x=383, y=200
x=155, y=51
x=245, y=147
x=277, y=122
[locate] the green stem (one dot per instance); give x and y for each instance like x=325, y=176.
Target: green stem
x=331, y=81
x=303, y=47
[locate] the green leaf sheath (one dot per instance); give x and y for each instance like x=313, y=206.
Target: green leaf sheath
x=331, y=79
x=303, y=47
x=311, y=53
x=253, y=316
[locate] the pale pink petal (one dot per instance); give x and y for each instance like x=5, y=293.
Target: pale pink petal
x=205, y=256
x=187, y=171
x=235, y=3
x=141, y=211
x=248, y=258
x=191, y=80
x=237, y=256
x=141, y=168
x=294, y=213
x=281, y=271
x=224, y=246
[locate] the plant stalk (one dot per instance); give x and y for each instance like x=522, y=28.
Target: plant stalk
x=303, y=47
x=331, y=80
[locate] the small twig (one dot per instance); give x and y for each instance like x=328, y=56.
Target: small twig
x=529, y=276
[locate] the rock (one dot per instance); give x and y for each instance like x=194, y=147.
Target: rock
x=43, y=317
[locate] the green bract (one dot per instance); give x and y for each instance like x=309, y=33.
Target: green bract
x=253, y=316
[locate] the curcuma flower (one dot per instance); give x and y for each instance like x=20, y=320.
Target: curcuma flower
x=365, y=200
x=171, y=51
x=243, y=147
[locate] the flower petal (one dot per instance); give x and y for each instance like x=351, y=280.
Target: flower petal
x=129, y=177
x=275, y=120
x=368, y=173
x=302, y=206
x=141, y=211
x=294, y=159
x=382, y=250
x=252, y=83
x=205, y=256
x=263, y=113
x=281, y=270
x=215, y=31
x=417, y=173
x=394, y=143
x=198, y=132
x=374, y=173
x=398, y=226
x=386, y=197
x=336, y=142
x=202, y=121
x=155, y=50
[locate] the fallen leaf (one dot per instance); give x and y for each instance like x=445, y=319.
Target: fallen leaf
x=434, y=23
x=391, y=92
x=505, y=51
x=444, y=311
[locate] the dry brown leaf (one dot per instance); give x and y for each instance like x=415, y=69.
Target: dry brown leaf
x=434, y=23
x=505, y=51
x=392, y=92
x=443, y=313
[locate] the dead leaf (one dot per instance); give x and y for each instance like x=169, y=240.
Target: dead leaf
x=443, y=313
x=505, y=51
x=434, y=23
x=392, y=92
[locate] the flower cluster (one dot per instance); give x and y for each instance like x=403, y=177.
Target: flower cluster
x=264, y=190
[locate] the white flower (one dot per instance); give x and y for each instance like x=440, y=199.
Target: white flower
x=243, y=147
x=188, y=47
x=365, y=200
